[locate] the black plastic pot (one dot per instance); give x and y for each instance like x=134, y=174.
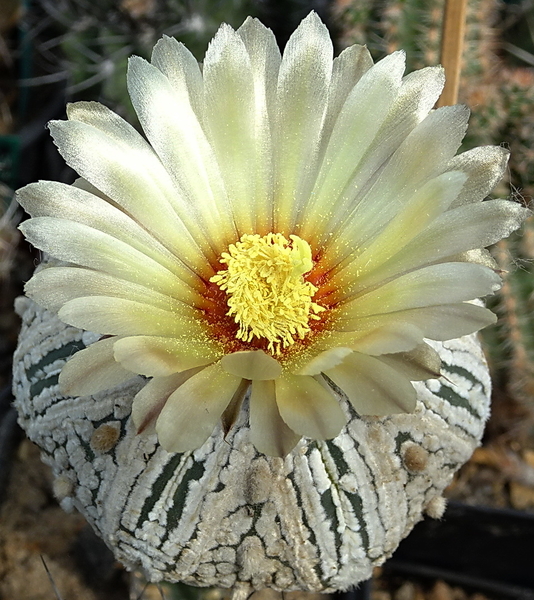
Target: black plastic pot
x=484, y=549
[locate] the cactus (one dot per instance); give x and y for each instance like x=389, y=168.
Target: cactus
x=88, y=44
x=9, y=235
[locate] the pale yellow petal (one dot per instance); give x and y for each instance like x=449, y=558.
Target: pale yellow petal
x=323, y=361
x=77, y=243
x=268, y=431
x=351, y=138
x=255, y=365
x=347, y=69
x=92, y=370
x=423, y=155
x=150, y=400
x=118, y=316
x=373, y=387
x=456, y=231
x=403, y=331
x=308, y=407
x=181, y=68
x=191, y=412
x=433, y=285
x=421, y=363
x=111, y=155
x=70, y=203
x=237, y=126
x=485, y=167
x=418, y=92
x=54, y=286
x=302, y=94
x=265, y=58
x=166, y=113
x=382, y=336
x=155, y=356
x=424, y=205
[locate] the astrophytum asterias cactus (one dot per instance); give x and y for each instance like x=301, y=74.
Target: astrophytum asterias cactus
x=256, y=308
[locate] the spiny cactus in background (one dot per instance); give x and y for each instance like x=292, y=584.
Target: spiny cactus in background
x=511, y=342
x=9, y=234
x=500, y=93
x=385, y=26
x=87, y=44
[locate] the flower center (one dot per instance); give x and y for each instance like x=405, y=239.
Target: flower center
x=267, y=293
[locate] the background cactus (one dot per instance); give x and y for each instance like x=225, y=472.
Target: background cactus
x=86, y=44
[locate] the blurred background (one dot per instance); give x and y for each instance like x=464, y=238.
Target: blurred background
x=57, y=51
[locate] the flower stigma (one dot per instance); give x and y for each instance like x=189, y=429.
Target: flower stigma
x=267, y=293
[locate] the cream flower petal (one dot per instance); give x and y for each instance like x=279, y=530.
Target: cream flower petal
x=268, y=431
x=302, y=93
x=192, y=411
x=420, y=210
x=478, y=256
x=473, y=226
x=255, y=365
x=52, y=199
x=456, y=320
x=111, y=155
x=54, y=286
x=424, y=154
x=421, y=363
x=382, y=335
x=174, y=131
x=323, y=361
x=485, y=167
x=118, y=316
x=427, y=150
x=409, y=327
x=429, y=286
x=347, y=70
x=182, y=70
x=353, y=134
x=265, y=59
x=150, y=400
x=372, y=386
x=455, y=231
x=155, y=356
x=236, y=119
x=308, y=407
x=92, y=370
x=418, y=93
x=88, y=247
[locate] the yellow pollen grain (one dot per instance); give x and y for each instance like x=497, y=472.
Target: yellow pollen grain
x=267, y=294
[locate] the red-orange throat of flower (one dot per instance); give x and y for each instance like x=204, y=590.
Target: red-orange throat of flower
x=264, y=297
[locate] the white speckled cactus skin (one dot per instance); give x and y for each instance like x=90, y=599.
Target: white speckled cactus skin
x=226, y=515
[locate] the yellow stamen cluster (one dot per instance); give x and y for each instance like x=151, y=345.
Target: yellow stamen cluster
x=267, y=293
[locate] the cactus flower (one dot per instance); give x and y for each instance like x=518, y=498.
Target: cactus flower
x=289, y=229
